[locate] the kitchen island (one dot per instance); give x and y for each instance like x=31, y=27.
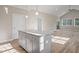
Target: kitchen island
x=34, y=42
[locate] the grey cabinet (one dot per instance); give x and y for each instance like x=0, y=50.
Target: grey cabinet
x=22, y=39
x=34, y=43
x=29, y=42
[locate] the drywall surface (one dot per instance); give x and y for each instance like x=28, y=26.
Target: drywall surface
x=46, y=23
x=42, y=22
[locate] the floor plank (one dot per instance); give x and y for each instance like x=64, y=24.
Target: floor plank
x=16, y=45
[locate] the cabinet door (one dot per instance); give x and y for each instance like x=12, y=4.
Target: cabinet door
x=47, y=44
x=36, y=45
x=22, y=39
x=29, y=43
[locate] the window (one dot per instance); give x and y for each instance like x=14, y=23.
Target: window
x=76, y=21
x=64, y=21
x=67, y=21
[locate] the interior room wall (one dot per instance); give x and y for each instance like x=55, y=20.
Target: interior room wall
x=49, y=21
x=70, y=15
x=4, y=25
x=6, y=22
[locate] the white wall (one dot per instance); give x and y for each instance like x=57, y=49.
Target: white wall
x=70, y=15
x=5, y=25
x=49, y=21
x=6, y=22
x=18, y=24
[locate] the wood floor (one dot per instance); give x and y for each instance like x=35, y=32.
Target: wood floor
x=71, y=46
x=16, y=45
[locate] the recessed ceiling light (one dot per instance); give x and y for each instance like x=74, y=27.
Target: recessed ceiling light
x=36, y=13
x=26, y=16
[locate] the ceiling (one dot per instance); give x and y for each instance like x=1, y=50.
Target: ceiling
x=57, y=10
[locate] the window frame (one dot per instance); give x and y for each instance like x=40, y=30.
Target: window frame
x=75, y=21
x=67, y=21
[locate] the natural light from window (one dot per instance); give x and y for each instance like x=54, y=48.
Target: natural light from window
x=7, y=48
x=59, y=39
x=41, y=43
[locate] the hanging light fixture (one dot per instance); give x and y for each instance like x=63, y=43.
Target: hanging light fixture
x=36, y=13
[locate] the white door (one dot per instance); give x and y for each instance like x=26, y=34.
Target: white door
x=18, y=24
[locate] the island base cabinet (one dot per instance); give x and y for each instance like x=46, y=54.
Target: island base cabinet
x=33, y=43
